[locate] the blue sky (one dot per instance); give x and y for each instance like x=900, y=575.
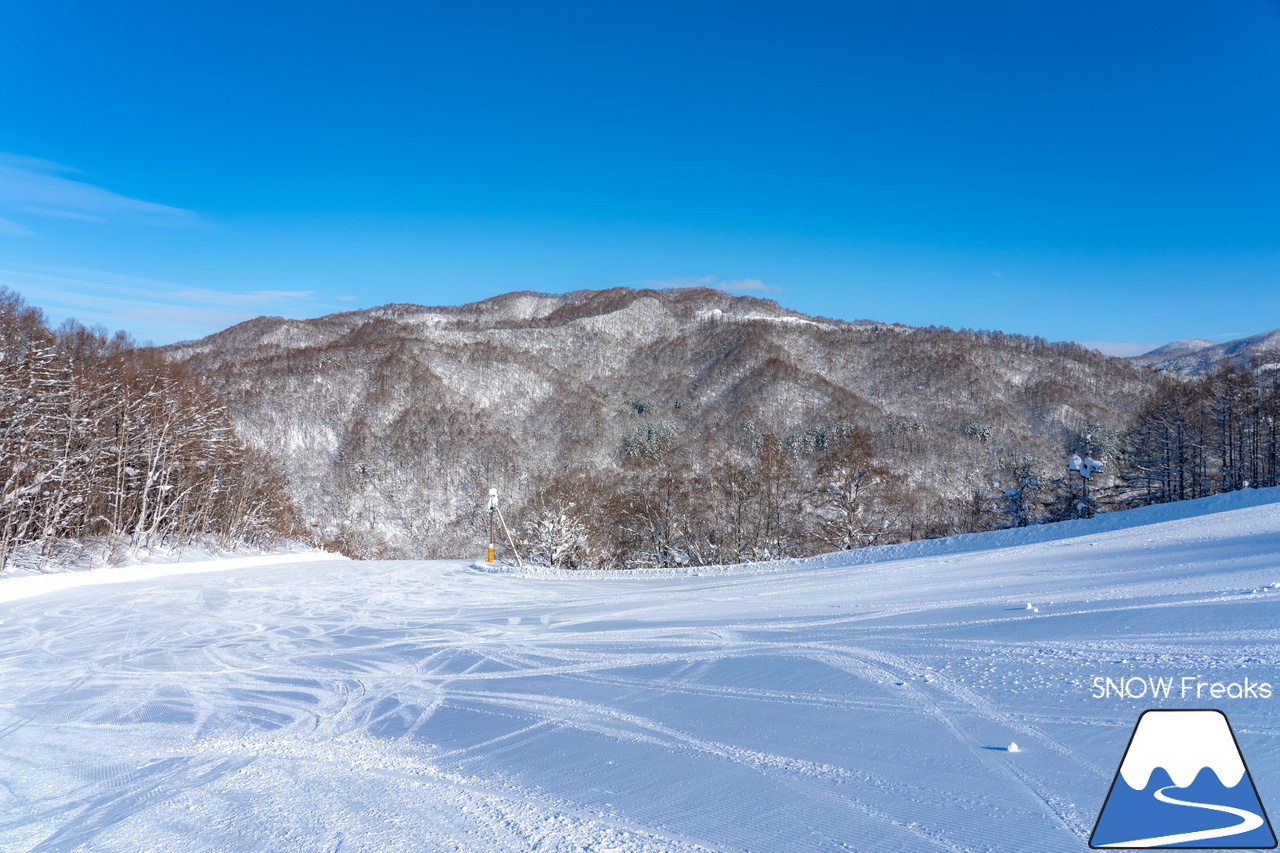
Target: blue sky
x=1086, y=171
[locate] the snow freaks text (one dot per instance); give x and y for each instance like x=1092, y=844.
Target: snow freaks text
x=1178, y=687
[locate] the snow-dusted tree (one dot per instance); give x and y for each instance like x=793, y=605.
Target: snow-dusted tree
x=29, y=387
x=657, y=523
x=556, y=536
x=759, y=503
x=1021, y=500
x=856, y=501
x=100, y=439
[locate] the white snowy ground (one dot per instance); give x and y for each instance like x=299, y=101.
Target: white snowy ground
x=28, y=563
x=855, y=701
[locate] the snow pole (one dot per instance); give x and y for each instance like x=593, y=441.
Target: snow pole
x=493, y=506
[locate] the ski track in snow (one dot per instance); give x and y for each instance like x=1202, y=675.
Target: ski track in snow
x=834, y=704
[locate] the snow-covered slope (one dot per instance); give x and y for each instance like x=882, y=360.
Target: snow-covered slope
x=851, y=702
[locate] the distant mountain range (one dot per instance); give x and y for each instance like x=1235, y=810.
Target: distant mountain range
x=1197, y=357
x=392, y=423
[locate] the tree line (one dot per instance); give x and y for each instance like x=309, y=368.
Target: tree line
x=791, y=497
x=110, y=446
x=1216, y=434
x=767, y=496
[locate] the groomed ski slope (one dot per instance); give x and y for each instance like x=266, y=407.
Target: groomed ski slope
x=856, y=701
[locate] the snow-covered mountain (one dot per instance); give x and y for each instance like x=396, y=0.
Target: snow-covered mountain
x=1198, y=357
x=392, y=423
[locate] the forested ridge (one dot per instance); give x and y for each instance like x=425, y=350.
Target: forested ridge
x=622, y=428
x=116, y=448
x=632, y=428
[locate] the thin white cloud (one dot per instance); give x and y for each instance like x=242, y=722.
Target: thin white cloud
x=9, y=227
x=151, y=310
x=29, y=185
x=739, y=285
x=178, y=317
x=1123, y=349
x=252, y=297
